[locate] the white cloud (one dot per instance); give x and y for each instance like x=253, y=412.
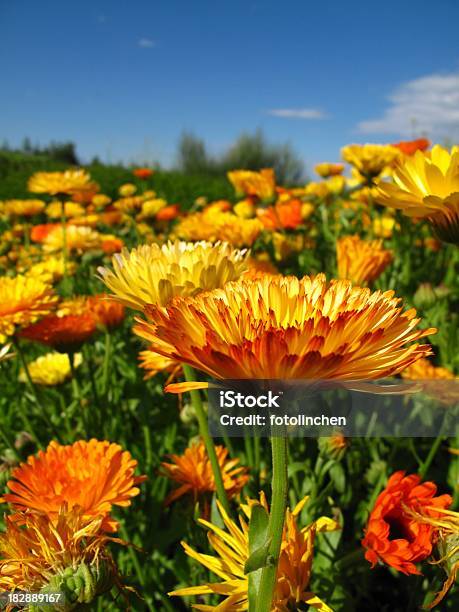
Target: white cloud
x=298, y=113
x=429, y=104
x=146, y=43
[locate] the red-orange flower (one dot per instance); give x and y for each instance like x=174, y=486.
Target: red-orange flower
x=193, y=472
x=64, y=332
x=168, y=213
x=409, y=147
x=94, y=475
x=393, y=535
x=107, y=312
x=284, y=215
x=39, y=232
x=142, y=173
x=111, y=244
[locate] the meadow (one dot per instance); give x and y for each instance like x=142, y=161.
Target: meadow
x=124, y=290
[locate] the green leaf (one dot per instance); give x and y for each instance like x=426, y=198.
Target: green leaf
x=258, y=550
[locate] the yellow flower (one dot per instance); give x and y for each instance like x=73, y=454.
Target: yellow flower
x=383, y=227
x=245, y=209
x=126, y=190
x=51, y=269
x=23, y=300
x=283, y=327
x=326, y=169
x=153, y=274
x=154, y=363
x=424, y=369
x=78, y=238
x=24, y=208
x=101, y=200
x=427, y=186
x=261, y=184
x=318, y=190
x=68, y=182
x=50, y=369
x=370, y=159
x=231, y=546
x=361, y=261
x=128, y=204
x=286, y=244
x=214, y=225
x=71, y=209
x=151, y=207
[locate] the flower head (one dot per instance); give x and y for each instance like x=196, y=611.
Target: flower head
x=409, y=147
x=232, y=551
x=361, y=261
x=108, y=313
x=23, y=300
x=77, y=238
x=423, y=369
x=127, y=190
x=50, y=369
x=71, y=209
x=427, y=186
x=261, y=184
x=93, y=475
x=53, y=183
x=154, y=363
x=393, y=536
x=213, y=225
x=193, y=473
x=283, y=327
x=325, y=169
x=65, y=330
x=142, y=173
x=284, y=215
x=23, y=208
x=153, y=274
x=370, y=159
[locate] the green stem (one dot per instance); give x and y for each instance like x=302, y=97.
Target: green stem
x=33, y=390
x=105, y=368
x=430, y=457
x=276, y=520
x=208, y=442
x=64, y=238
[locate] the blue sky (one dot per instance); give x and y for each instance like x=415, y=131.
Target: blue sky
x=124, y=79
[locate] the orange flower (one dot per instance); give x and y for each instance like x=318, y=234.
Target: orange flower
x=107, y=312
x=409, y=147
x=393, y=535
x=261, y=184
x=168, y=213
x=142, y=173
x=284, y=215
x=111, y=244
x=64, y=332
x=154, y=363
x=361, y=261
x=326, y=169
x=193, y=472
x=94, y=475
x=283, y=327
x=39, y=232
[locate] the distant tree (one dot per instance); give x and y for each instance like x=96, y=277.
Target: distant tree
x=192, y=156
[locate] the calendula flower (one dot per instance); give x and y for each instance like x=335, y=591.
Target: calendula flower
x=423, y=369
x=192, y=471
x=326, y=169
x=69, y=555
x=63, y=331
x=94, y=476
x=79, y=239
x=261, y=184
x=154, y=363
x=153, y=274
x=283, y=327
x=51, y=369
x=100, y=200
x=128, y=204
x=108, y=313
x=393, y=536
x=370, y=159
x=361, y=261
x=284, y=215
x=409, y=147
x=214, y=225
x=127, y=190
x=260, y=266
x=231, y=546
x=383, y=227
x=168, y=213
x=23, y=300
x=150, y=208
x=71, y=209
x=53, y=183
x=39, y=232
x=51, y=269
x=245, y=209
x=142, y=173
x=23, y=208
x=427, y=187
